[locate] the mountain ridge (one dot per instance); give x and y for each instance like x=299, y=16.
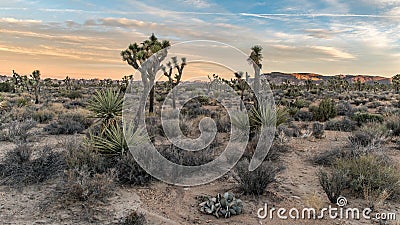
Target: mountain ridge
x=279, y=77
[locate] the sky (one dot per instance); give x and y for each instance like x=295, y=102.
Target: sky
x=83, y=39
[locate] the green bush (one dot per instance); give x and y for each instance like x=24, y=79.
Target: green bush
x=371, y=172
x=325, y=111
x=362, y=118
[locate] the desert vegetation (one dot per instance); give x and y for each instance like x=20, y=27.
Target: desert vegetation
x=64, y=151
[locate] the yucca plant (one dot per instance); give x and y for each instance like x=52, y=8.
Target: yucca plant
x=106, y=105
x=265, y=115
x=240, y=120
x=114, y=140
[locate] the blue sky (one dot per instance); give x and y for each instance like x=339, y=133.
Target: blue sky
x=83, y=38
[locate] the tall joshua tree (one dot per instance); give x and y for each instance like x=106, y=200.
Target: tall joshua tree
x=255, y=59
x=35, y=76
x=146, y=57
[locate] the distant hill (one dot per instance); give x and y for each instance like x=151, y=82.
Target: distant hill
x=297, y=78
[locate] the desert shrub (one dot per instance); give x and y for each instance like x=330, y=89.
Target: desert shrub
x=5, y=87
x=303, y=115
x=290, y=130
x=187, y=158
x=21, y=102
x=318, y=130
x=393, y=124
x=64, y=126
x=325, y=111
x=344, y=109
x=81, y=185
x=20, y=168
x=69, y=123
x=374, y=104
x=19, y=132
x=255, y=182
x=333, y=183
x=81, y=157
x=369, y=171
x=193, y=109
x=362, y=118
x=129, y=172
x=328, y=158
x=20, y=114
x=301, y=103
x=345, y=124
x=371, y=134
x=74, y=104
x=274, y=153
x=133, y=218
x=72, y=94
x=43, y=116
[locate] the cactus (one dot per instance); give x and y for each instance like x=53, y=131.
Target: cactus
x=225, y=205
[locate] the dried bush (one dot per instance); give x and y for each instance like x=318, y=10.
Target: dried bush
x=81, y=185
x=333, y=184
x=328, y=158
x=43, y=116
x=345, y=124
x=344, y=109
x=18, y=132
x=69, y=123
x=79, y=156
x=65, y=126
x=20, y=168
x=303, y=115
x=393, y=124
x=372, y=134
x=187, y=158
x=133, y=218
x=129, y=171
x=255, y=182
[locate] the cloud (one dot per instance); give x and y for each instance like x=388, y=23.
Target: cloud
x=198, y=3
x=18, y=21
x=334, y=52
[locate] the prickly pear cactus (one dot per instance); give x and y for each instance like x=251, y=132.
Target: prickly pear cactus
x=225, y=205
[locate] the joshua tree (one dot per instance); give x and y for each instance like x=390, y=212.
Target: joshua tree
x=255, y=59
x=396, y=82
x=139, y=56
x=35, y=76
x=173, y=83
x=17, y=81
x=241, y=85
x=309, y=84
x=67, y=82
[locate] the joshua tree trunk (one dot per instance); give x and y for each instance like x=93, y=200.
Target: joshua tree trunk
x=36, y=95
x=151, y=107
